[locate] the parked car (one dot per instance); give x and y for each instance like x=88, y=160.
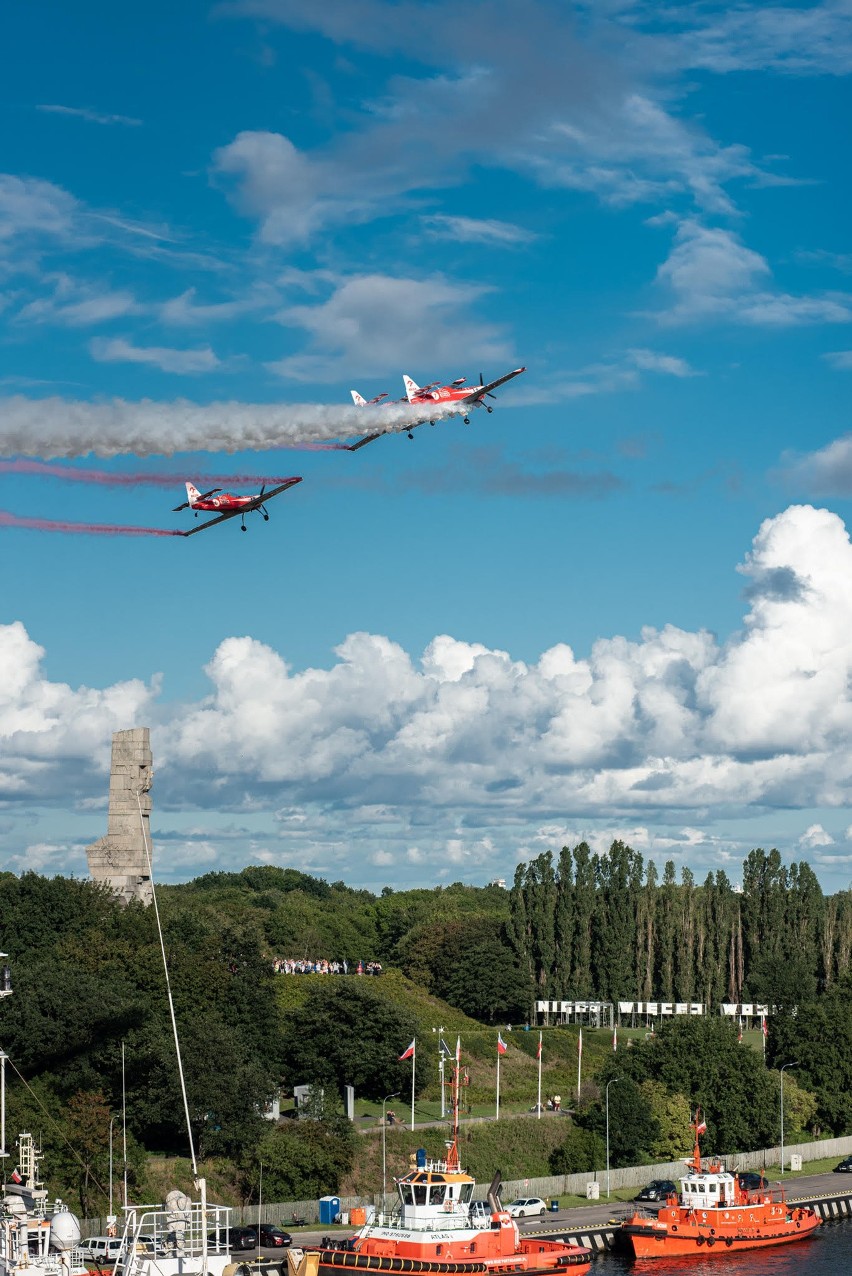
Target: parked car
x=100, y=1249
x=751, y=1182
x=657, y=1190
x=526, y=1205
x=845, y=1166
x=235, y=1237
x=271, y=1237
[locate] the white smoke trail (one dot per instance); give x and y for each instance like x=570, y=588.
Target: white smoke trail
x=57, y=427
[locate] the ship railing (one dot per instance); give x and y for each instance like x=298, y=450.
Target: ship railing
x=435, y=1223
x=154, y=1231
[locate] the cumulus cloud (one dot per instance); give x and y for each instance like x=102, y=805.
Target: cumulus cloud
x=464, y=743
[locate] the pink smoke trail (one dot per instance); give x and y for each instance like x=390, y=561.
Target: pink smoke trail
x=87, y=529
x=145, y=478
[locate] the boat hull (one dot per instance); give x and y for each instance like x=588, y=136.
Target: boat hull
x=333, y=1262
x=645, y=1239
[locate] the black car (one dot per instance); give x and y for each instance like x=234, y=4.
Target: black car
x=235, y=1237
x=845, y=1166
x=657, y=1190
x=271, y=1237
x=751, y=1182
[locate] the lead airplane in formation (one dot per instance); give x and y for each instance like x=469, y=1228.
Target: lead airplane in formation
x=457, y=392
x=225, y=505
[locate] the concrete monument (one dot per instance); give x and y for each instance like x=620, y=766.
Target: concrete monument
x=121, y=858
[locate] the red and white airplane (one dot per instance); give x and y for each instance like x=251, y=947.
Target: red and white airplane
x=466, y=396
x=228, y=506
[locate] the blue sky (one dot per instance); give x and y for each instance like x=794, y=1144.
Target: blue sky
x=616, y=607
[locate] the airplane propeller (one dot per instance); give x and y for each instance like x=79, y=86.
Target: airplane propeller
x=482, y=382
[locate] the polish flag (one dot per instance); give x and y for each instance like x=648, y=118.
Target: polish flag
x=538, y=1052
x=15, y=1177
x=614, y=1037
x=701, y=1124
x=764, y=1026
x=501, y=1044
x=407, y=1054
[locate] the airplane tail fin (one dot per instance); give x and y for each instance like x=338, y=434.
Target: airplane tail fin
x=358, y=399
x=411, y=388
x=192, y=493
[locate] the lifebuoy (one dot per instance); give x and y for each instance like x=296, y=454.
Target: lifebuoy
x=699, y=1240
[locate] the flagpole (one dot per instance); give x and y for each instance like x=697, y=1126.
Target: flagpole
x=497, y=1112
x=538, y=1100
x=579, y=1065
x=413, y=1062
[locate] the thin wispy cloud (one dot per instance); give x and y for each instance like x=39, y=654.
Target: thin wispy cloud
x=472, y=230
x=90, y=116
x=181, y=362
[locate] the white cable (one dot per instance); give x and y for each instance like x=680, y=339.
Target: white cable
x=139, y=793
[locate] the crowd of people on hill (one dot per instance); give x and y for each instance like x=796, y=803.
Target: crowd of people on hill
x=322, y=966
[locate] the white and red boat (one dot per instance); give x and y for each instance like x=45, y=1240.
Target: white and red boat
x=713, y=1214
x=436, y=1228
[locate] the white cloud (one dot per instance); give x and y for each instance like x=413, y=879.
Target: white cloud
x=668, y=364
x=711, y=274
x=118, y=350
x=467, y=752
x=91, y=117
x=472, y=230
x=184, y=311
x=78, y=304
x=799, y=40
x=371, y=322
x=841, y=359
x=815, y=835
x=825, y=472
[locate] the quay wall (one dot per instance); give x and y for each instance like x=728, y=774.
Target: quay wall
x=282, y=1213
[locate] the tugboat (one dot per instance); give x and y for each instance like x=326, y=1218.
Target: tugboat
x=35, y=1239
x=713, y=1214
x=435, y=1228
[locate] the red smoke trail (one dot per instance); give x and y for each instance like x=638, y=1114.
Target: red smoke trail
x=88, y=529
x=147, y=478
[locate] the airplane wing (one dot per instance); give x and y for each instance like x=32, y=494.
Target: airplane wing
x=368, y=438
x=244, y=509
x=480, y=391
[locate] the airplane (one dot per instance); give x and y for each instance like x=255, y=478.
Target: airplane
x=230, y=506
x=456, y=392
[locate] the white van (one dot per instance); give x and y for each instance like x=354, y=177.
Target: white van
x=100, y=1249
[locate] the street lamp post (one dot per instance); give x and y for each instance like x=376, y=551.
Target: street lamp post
x=608, y=1084
x=794, y=1064
x=384, y=1148
x=111, y=1124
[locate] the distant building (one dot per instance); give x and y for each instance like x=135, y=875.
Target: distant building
x=121, y=859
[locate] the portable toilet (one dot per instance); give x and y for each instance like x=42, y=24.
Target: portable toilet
x=329, y=1208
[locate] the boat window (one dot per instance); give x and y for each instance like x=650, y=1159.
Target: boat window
x=438, y=1178
x=712, y=1187
x=405, y=1193
x=436, y=1196
x=466, y=1192
x=420, y=1190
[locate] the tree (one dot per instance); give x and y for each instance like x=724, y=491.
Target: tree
x=300, y=1159
x=633, y=1129
x=345, y=1034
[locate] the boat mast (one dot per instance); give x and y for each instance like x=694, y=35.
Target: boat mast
x=453, y=1149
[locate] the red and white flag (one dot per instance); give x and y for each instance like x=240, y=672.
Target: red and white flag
x=614, y=1037
x=740, y=1033
x=700, y=1124
x=501, y=1044
x=15, y=1177
x=764, y=1026
x=407, y=1054
x=538, y=1052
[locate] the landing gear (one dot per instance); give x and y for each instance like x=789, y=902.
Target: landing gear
x=488, y=407
x=242, y=527
x=466, y=420
x=411, y=436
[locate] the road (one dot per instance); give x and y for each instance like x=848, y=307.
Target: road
x=801, y=1187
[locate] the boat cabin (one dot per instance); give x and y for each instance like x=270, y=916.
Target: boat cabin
x=708, y=1190
x=433, y=1194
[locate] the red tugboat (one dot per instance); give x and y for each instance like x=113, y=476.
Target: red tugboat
x=713, y=1214
x=434, y=1229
